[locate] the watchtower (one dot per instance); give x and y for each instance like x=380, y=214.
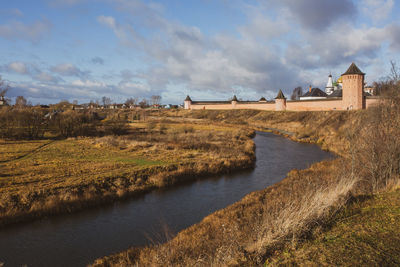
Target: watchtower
x=234, y=101
x=187, y=102
x=280, y=101
x=353, y=88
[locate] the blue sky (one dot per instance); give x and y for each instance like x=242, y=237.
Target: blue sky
x=210, y=49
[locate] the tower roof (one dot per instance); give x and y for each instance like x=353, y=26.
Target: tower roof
x=329, y=84
x=234, y=98
x=262, y=99
x=353, y=69
x=188, y=98
x=280, y=95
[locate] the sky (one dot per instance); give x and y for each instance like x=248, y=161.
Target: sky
x=53, y=50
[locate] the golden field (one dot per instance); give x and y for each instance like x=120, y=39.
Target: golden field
x=41, y=177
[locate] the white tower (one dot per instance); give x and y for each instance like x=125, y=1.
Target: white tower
x=329, y=86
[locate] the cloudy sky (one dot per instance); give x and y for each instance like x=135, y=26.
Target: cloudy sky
x=54, y=50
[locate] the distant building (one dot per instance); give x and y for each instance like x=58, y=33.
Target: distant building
x=370, y=90
x=329, y=86
x=314, y=93
x=3, y=102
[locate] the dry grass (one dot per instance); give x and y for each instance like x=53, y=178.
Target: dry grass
x=243, y=233
x=328, y=129
x=365, y=233
x=52, y=176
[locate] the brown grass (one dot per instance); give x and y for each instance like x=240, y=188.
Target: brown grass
x=55, y=176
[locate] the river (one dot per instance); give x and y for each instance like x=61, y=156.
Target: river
x=79, y=238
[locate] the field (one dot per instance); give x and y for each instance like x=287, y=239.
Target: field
x=58, y=175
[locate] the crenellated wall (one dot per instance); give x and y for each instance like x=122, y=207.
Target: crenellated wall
x=210, y=106
x=300, y=105
x=316, y=105
x=237, y=105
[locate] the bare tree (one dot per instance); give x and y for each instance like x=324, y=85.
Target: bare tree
x=3, y=90
x=106, y=101
x=155, y=100
x=297, y=92
x=131, y=101
x=20, y=102
x=394, y=72
x=143, y=103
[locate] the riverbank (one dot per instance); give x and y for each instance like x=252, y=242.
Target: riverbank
x=242, y=232
x=47, y=177
x=266, y=222
x=366, y=232
x=328, y=129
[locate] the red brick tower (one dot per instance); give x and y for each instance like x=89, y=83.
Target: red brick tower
x=353, y=88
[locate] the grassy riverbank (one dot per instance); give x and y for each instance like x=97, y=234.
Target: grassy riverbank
x=365, y=233
x=241, y=233
x=44, y=177
x=266, y=225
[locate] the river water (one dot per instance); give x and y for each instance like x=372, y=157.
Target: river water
x=78, y=239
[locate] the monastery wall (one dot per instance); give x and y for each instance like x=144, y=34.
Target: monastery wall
x=211, y=106
x=303, y=105
x=315, y=105
x=259, y=106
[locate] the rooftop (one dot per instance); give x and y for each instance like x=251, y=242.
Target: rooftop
x=280, y=95
x=353, y=69
x=315, y=92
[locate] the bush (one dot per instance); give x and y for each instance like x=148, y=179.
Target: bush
x=26, y=123
x=73, y=124
x=376, y=141
x=116, y=127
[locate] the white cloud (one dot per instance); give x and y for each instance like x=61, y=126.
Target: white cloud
x=68, y=69
x=88, y=83
x=14, y=30
x=18, y=67
x=46, y=77
x=108, y=21
x=183, y=55
x=378, y=10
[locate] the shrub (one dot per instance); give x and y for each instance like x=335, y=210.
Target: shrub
x=25, y=123
x=72, y=124
x=116, y=127
x=375, y=151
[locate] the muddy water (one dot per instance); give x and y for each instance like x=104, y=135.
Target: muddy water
x=77, y=239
